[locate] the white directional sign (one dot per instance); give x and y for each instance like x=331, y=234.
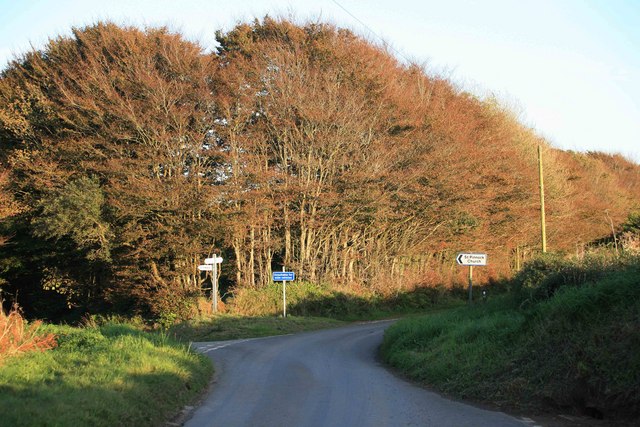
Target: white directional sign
x=207, y=267
x=471, y=259
x=215, y=260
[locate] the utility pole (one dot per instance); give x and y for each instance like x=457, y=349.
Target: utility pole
x=542, y=219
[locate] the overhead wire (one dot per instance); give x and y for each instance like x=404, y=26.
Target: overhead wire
x=384, y=42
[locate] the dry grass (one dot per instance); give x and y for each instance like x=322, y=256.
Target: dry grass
x=18, y=336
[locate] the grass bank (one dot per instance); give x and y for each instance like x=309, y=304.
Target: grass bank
x=567, y=336
x=227, y=327
x=321, y=300
x=114, y=374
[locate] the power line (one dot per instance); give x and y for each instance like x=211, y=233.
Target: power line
x=372, y=32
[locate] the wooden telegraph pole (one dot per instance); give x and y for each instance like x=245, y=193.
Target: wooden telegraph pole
x=542, y=219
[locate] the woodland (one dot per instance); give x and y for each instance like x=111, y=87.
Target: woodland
x=129, y=155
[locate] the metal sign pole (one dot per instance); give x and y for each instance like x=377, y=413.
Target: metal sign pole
x=284, y=296
x=470, y=284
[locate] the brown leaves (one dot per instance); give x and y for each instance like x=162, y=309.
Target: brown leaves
x=17, y=336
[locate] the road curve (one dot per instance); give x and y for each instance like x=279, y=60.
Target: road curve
x=325, y=378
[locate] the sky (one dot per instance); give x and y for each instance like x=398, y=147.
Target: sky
x=569, y=68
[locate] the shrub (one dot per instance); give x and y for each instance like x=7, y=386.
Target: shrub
x=541, y=278
x=268, y=300
x=169, y=305
x=535, y=272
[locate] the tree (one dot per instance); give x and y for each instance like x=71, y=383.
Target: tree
x=106, y=133
x=128, y=155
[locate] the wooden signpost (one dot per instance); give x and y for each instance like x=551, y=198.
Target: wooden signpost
x=211, y=264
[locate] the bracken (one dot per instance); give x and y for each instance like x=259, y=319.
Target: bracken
x=18, y=336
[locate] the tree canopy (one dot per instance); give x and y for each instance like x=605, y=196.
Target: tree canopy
x=128, y=155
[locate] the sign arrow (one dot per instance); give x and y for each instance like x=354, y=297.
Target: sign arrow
x=471, y=259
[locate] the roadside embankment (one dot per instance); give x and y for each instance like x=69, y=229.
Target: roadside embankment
x=567, y=336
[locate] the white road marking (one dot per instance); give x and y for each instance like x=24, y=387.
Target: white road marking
x=206, y=348
x=530, y=422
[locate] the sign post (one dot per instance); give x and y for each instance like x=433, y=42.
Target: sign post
x=284, y=276
x=211, y=264
x=471, y=259
x=470, y=284
x=284, y=296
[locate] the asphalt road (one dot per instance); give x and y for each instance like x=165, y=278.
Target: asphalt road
x=326, y=378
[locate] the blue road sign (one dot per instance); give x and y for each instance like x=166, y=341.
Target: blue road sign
x=283, y=276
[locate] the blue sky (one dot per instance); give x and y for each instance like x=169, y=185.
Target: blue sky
x=570, y=68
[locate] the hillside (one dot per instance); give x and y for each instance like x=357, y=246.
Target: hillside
x=127, y=156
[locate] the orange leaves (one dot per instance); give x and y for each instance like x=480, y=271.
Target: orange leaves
x=17, y=336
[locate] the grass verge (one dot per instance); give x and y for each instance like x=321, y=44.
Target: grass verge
x=575, y=345
x=114, y=374
x=227, y=327
x=318, y=300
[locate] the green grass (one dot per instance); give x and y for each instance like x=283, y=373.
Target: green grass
x=227, y=327
x=455, y=348
x=574, y=344
x=114, y=374
x=317, y=300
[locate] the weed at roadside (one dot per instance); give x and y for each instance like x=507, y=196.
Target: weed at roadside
x=18, y=336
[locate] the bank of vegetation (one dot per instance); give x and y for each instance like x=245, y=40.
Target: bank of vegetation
x=102, y=374
x=116, y=371
x=565, y=339
x=127, y=156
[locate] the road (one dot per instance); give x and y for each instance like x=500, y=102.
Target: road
x=325, y=378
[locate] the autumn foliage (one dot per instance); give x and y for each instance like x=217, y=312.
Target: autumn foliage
x=129, y=155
